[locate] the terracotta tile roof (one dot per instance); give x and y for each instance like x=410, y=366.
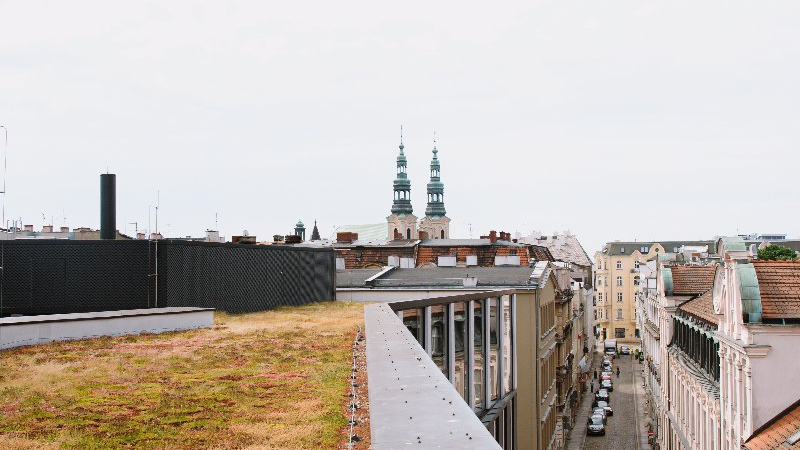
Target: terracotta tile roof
x=701, y=307
x=779, y=283
x=540, y=253
x=692, y=280
x=565, y=247
x=777, y=431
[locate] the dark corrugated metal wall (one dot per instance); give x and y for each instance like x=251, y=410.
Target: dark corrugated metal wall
x=49, y=277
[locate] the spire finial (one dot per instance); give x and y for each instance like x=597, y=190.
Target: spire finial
x=401, y=139
x=435, y=151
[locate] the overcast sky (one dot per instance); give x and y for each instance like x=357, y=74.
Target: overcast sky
x=615, y=120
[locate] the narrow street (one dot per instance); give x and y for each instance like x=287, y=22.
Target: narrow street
x=622, y=429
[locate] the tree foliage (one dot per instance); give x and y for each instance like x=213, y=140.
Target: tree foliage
x=776, y=252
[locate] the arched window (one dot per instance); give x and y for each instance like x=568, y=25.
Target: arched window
x=442, y=234
x=395, y=233
x=408, y=233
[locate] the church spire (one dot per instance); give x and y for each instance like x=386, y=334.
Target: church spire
x=315, y=233
x=435, y=207
x=401, y=205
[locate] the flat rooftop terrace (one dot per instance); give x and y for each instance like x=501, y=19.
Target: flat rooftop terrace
x=269, y=380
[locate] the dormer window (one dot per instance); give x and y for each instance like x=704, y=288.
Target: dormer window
x=622, y=249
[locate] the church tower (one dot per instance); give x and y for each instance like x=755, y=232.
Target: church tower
x=436, y=223
x=402, y=223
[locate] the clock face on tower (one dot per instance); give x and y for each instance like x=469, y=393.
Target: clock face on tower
x=719, y=290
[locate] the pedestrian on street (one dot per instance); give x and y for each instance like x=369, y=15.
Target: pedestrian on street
x=617, y=371
x=592, y=385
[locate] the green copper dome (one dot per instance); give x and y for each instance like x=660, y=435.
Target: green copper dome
x=401, y=205
x=435, y=207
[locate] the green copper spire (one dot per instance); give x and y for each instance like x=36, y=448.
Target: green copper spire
x=435, y=207
x=401, y=205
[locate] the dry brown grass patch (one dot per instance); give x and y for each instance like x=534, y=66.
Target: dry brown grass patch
x=266, y=380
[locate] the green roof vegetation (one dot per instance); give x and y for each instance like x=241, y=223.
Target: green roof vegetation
x=776, y=253
x=276, y=379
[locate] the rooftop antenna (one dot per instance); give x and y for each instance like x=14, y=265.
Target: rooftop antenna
x=216, y=221
x=5, y=168
x=3, y=248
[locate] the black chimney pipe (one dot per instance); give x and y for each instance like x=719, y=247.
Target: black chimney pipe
x=108, y=206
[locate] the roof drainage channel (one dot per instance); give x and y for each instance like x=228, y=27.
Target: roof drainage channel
x=411, y=402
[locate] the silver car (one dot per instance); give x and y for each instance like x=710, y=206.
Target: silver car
x=596, y=426
x=600, y=412
x=604, y=405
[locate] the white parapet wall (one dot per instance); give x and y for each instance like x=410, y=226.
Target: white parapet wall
x=411, y=403
x=32, y=330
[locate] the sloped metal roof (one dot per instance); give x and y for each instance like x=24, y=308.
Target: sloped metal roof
x=366, y=232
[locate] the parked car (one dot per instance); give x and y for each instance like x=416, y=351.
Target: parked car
x=606, y=375
x=596, y=426
x=624, y=350
x=606, y=367
x=602, y=394
x=607, y=385
x=601, y=412
x=604, y=404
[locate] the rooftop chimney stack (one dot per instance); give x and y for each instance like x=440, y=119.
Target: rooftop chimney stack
x=108, y=206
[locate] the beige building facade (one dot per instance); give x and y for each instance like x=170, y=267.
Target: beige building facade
x=617, y=280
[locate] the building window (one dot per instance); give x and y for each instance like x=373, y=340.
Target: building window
x=622, y=249
x=619, y=296
x=619, y=281
x=408, y=233
x=636, y=265
x=619, y=313
x=600, y=265
x=619, y=265
x=442, y=234
x=644, y=249
x=674, y=249
x=600, y=296
x=600, y=313
x=619, y=333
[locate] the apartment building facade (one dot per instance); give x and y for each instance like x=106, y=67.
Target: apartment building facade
x=617, y=282
x=719, y=339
